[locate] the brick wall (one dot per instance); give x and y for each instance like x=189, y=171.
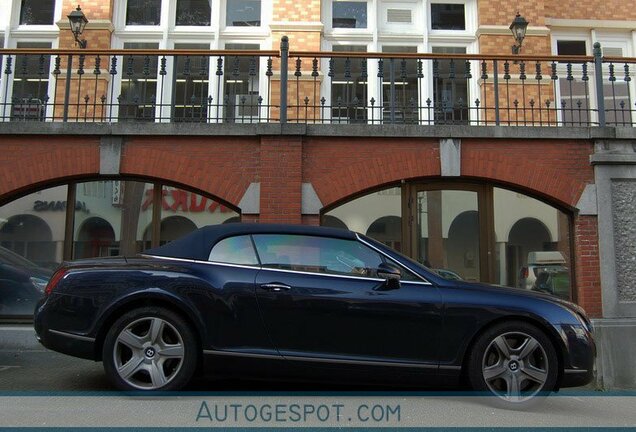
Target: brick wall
x=280, y=176
x=588, y=278
x=555, y=170
x=32, y=162
x=221, y=167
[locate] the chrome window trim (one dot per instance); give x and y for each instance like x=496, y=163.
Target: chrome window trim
x=256, y=267
x=323, y=274
x=194, y=261
x=424, y=281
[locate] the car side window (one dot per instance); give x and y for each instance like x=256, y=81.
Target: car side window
x=317, y=254
x=234, y=250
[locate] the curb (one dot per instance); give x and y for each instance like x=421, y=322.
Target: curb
x=19, y=337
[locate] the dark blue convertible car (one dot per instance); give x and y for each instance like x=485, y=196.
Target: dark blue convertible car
x=285, y=301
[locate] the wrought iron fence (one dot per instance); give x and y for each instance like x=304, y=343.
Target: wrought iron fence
x=342, y=87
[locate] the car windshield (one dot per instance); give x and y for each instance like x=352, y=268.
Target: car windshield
x=403, y=257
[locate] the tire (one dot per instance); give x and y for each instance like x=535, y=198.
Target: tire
x=514, y=361
x=150, y=349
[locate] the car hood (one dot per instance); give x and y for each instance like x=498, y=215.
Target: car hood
x=518, y=292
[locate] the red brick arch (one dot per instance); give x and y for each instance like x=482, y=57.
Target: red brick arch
x=218, y=166
x=556, y=171
x=31, y=162
x=222, y=167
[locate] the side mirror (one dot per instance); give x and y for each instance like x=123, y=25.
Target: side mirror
x=391, y=274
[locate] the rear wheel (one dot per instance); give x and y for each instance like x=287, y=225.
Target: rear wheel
x=150, y=348
x=516, y=362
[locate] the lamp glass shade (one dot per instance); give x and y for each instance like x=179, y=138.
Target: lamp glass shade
x=518, y=28
x=78, y=21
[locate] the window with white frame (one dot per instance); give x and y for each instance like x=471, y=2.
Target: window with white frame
x=190, y=85
x=399, y=79
x=193, y=13
x=574, y=91
x=241, y=85
x=349, y=89
x=448, y=16
x=37, y=12
x=243, y=13
x=616, y=91
x=138, y=97
x=143, y=12
x=450, y=88
x=349, y=14
x=30, y=83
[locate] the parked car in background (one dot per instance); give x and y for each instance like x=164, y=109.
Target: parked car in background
x=448, y=274
x=22, y=283
x=301, y=302
x=546, y=272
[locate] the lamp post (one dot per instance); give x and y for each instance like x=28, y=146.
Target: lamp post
x=77, y=21
x=518, y=28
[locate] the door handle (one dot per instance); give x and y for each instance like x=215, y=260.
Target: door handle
x=275, y=287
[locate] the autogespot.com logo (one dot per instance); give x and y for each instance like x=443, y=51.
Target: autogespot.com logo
x=298, y=413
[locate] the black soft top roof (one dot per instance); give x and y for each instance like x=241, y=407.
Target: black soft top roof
x=197, y=244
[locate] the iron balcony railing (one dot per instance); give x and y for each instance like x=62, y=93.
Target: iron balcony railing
x=342, y=87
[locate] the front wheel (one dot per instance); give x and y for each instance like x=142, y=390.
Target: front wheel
x=150, y=348
x=514, y=361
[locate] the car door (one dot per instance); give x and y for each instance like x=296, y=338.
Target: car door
x=321, y=297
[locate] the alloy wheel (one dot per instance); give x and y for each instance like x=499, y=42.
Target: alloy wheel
x=148, y=353
x=515, y=366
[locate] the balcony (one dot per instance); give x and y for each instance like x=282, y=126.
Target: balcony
x=334, y=88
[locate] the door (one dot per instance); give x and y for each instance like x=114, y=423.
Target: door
x=451, y=228
x=321, y=297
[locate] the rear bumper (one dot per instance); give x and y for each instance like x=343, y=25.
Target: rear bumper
x=61, y=341
x=68, y=343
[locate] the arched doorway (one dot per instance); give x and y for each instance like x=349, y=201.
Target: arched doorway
x=333, y=222
x=462, y=245
x=526, y=235
x=388, y=230
x=95, y=238
x=174, y=227
x=29, y=236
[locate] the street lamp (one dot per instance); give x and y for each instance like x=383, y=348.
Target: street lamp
x=78, y=22
x=518, y=28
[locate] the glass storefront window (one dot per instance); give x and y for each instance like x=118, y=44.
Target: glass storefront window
x=110, y=218
x=31, y=245
x=469, y=231
x=183, y=211
x=378, y=215
x=448, y=231
x=532, y=244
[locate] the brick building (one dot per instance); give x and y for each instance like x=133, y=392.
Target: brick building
x=410, y=121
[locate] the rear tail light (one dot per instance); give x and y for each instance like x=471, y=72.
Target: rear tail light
x=524, y=272
x=55, y=279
